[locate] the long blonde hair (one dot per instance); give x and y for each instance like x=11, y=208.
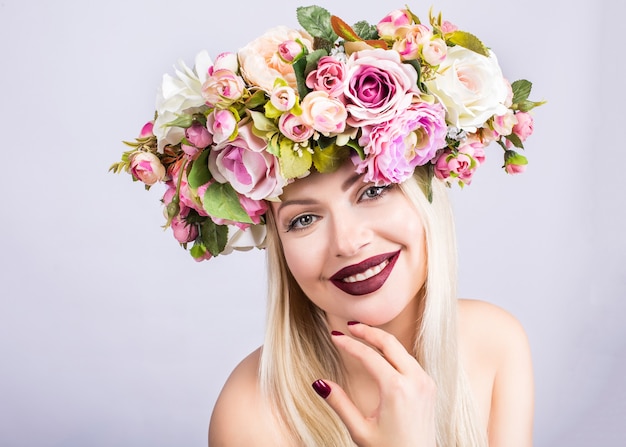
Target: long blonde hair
x=298, y=349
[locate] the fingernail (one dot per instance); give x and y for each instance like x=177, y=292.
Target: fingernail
x=321, y=388
x=352, y=323
x=336, y=333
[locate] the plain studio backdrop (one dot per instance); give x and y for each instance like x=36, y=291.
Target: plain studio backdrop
x=110, y=334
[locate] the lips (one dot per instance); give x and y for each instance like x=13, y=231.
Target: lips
x=367, y=276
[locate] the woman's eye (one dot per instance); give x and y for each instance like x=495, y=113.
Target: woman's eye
x=374, y=192
x=301, y=222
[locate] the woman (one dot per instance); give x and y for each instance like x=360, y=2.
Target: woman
x=407, y=311
x=332, y=149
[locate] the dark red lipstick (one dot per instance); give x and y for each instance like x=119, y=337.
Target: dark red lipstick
x=368, y=285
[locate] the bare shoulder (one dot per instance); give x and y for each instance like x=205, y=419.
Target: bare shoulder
x=496, y=353
x=240, y=416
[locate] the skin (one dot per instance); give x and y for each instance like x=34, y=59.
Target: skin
x=338, y=221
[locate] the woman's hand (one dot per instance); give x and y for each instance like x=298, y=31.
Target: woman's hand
x=405, y=415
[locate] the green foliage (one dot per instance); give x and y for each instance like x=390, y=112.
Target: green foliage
x=316, y=21
x=330, y=158
x=221, y=201
x=199, y=173
x=521, y=92
x=365, y=30
x=184, y=121
x=214, y=237
x=293, y=163
x=299, y=69
x=467, y=40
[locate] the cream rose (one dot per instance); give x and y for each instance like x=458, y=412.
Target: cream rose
x=471, y=88
x=261, y=63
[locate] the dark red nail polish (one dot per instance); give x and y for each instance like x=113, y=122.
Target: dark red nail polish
x=336, y=333
x=352, y=323
x=321, y=388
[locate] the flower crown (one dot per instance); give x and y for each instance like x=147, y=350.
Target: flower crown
x=229, y=134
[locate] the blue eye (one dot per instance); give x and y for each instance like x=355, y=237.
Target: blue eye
x=301, y=222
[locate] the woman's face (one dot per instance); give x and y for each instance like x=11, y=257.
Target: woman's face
x=356, y=250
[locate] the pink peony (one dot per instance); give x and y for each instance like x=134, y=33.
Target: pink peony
x=379, y=86
x=283, y=98
x=146, y=167
x=329, y=76
x=411, y=39
x=247, y=166
x=394, y=148
x=146, y=130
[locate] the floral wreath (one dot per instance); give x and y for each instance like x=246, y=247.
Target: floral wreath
x=229, y=134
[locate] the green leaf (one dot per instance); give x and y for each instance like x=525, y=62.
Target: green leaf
x=513, y=158
x=262, y=123
x=293, y=164
x=184, y=121
x=514, y=139
x=198, y=250
x=526, y=106
x=467, y=40
x=199, y=173
x=316, y=21
x=214, y=237
x=365, y=30
x=221, y=200
x=358, y=149
x=257, y=99
x=330, y=159
x=521, y=90
x=270, y=111
x=299, y=69
x=311, y=61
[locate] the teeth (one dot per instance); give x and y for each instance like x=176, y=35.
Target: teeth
x=367, y=273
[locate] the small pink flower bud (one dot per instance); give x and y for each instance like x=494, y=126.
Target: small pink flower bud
x=290, y=51
x=146, y=130
x=199, y=136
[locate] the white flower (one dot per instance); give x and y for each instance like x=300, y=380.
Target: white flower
x=179, y=94
x=244, y=240
x=471, y=88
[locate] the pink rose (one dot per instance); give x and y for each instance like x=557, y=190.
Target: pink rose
x=247, y=166
x=283, y=98
x=222, y=123
x=392, y=21
x=459, y=166
x=222, y=88
x=294, y=128
x=448, y=27
x=329, y=76
x=188, y=197
x=260, y=62
x=324, y=113
x=514, y=169
x=198, y=135
x=290, y=50
x=394, y=148
x=434, y=51
x=192, y=152
x=410, y=40
x=225, y=61
x=514, y=163
x=525, y=125
x=473, y=147
x=503, y=124
x=379, y=86
x=146, y=167
x=146, y=130
x=183, y=231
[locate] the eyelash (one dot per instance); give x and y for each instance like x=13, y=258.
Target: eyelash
x=380, y=190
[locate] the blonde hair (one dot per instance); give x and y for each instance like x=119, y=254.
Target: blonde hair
x=298, y=349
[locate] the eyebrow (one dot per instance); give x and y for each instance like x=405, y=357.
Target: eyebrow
x=344, y=187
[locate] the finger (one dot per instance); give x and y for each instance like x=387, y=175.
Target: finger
x=339, y=401
x=389, y=346
x=374, y=363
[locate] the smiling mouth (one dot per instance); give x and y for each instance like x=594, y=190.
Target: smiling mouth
x=367, y=276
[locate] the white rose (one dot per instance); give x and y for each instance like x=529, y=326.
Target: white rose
x=471, y=88
x=178, y=94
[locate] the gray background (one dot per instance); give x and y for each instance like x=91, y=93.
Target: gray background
x=110, y=334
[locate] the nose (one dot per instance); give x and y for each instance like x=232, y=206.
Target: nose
x=349, y=234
